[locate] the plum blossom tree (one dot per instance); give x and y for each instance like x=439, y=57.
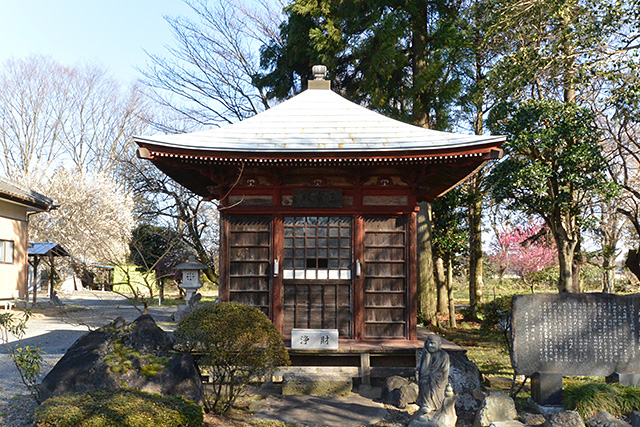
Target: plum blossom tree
x=524, y=250
x=93, y=221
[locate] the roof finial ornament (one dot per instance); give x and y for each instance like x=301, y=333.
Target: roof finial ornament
x=319, y=72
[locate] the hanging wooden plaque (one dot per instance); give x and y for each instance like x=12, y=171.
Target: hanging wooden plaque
x=317, y=198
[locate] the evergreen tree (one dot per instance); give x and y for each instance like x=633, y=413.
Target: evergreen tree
x=400, y=58
x=554, y=165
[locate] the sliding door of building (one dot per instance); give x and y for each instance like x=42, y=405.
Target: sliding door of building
x=316, y=274
x=249, y=251
x=385, y=277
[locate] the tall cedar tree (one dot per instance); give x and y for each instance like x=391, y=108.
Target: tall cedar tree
x=400, y=58
x=450, y=240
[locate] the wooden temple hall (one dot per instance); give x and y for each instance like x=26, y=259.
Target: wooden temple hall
x=319, y=209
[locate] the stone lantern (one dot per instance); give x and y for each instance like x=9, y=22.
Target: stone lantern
x=190, y=276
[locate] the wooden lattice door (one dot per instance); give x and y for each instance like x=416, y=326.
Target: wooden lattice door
x=385, y=277
x=249, y=260
x=317, y=266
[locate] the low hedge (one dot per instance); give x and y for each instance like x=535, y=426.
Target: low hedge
x=118, y=408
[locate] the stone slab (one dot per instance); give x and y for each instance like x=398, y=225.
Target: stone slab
x=546, y=389
x=316, y=385
x=349, y=411
x=509, y=423
x=624, y=379
x=314, y=339
x=592, y=334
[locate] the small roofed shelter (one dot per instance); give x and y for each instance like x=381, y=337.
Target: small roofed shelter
x=17, y=204
x=47, y=251
x=318, y=203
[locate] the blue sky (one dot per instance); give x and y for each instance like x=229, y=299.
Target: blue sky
x=113, y=33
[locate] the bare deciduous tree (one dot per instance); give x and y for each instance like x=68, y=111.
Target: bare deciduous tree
x=162, y=201
x=52, y=115
x=31, y=121
x=208, y=76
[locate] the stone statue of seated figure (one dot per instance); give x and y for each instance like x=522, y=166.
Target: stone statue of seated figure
x=433, y=375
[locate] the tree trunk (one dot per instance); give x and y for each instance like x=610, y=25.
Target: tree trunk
x=569, y=74
x=565, y=259
x=452, y=306
x=608, y=271
x=427, y=302
x=476, y=281
x=419, y=49
x=441, y=281
x=160, y=291
x=576, y=266
x=633, y=262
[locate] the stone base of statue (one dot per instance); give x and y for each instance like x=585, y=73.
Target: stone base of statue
x=444, y=417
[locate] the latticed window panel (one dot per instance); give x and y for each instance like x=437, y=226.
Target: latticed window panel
x=317, y=248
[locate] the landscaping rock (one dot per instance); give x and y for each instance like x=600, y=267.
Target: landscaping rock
x=497, y=406
x=545, y=411
x=565, y=419
x=466, y=380
x=605, y=419
x=135, y=355
x=399, y=391
x=316, y=385
x=390, y=388
x=407, y=394
x=393, y=383
x=444, y=417
x=510, y=423
x=532, y=419
x=634, y=417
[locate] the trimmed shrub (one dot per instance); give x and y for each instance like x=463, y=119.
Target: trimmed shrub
x=236, y=343
x=115, y=408
x=588, y=399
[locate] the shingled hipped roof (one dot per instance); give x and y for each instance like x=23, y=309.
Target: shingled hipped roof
x=318, y=129
x=317, y=122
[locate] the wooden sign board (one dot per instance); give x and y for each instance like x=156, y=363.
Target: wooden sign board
x=317, y=198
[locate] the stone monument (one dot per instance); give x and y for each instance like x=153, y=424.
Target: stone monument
x=592, y=334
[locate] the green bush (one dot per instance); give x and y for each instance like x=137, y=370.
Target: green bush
x=236, y=343
x=587, y=399
x=116, y=408
x=496, y=315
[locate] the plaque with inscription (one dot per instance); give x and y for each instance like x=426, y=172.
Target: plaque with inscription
x=575, y=334
x=314, y=339
x=317, y=198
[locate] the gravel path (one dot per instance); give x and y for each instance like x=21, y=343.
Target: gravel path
x=54, y=329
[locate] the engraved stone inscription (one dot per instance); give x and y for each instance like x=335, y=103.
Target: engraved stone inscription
x=575, y=334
